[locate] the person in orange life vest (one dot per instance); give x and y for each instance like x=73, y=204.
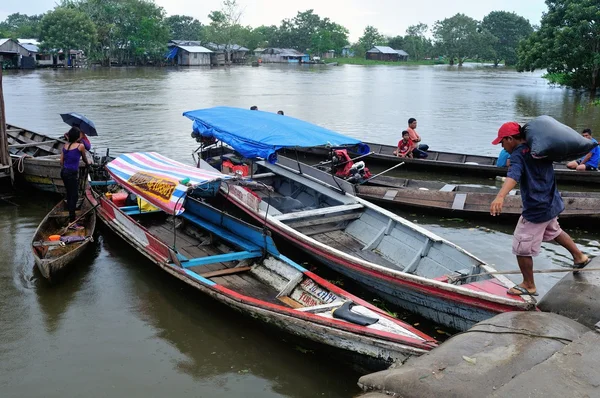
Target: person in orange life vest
x=405, y=146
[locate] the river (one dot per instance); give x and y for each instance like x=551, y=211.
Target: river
x=117, y=326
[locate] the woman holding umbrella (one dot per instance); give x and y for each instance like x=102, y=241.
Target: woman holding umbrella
x=70, y=156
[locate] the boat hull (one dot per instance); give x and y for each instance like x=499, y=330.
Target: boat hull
x=445, y=308
x=54, y=269
x=380, y=351
x=454, y=163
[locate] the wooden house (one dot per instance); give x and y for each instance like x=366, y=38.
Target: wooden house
x=13, y=53
x=189, y=53
x=282, y=55
x=383, y=53
x=402, y=55
x=233, y=53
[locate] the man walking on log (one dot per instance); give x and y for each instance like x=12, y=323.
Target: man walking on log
x=541, y=206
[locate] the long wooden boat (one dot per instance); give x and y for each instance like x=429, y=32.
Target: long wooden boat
x=450, y=162
x=402, y=262
x=36, y=159
x=239, y=265
x=54, y=258
x=468, y=200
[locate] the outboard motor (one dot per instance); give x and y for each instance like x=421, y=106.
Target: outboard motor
x=345, y=168
x=358, y=173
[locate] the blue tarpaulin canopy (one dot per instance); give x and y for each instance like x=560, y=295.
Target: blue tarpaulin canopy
x=260, y=134
x=172, y=53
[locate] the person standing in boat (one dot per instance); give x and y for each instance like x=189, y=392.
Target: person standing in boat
x=420, y=149
x=590, y=161
x=541, y=206
x=70, y=156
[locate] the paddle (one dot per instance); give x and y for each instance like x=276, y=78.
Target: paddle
x=65, y=229
x=383, y=172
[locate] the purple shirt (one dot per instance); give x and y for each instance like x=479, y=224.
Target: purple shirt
x=71, y=158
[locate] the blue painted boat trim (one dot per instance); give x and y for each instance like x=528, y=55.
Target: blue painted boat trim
x=199, y=278
x=219, y=258
x=102, y=183
x=229, y=227
x=221, y=232
x=291, y=262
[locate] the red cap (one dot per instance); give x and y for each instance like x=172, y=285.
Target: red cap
x=506, y=130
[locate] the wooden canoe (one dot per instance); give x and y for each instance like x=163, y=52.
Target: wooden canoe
x=36, y=159
x=468, y=199
x=402, y=262
x=449, y=162
x=53, y=259
x=239, y=266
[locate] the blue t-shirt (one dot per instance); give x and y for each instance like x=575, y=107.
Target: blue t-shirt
x=593, y=161
x=502, y=158
x=541, y=200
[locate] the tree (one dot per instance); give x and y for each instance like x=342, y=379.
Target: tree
x=415, y=42
x=460, y=37
x=396, y=42
x=225, y=28
x=371, y=37
x=183, y=27
x=567, y=44
x=21, y=26
x=67, y=29
x=129, y=31
x=509, y=29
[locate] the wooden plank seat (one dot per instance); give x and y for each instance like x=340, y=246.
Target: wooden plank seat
x=324, y=220
x=318, y=212
x=223, y=272
x=222, y=232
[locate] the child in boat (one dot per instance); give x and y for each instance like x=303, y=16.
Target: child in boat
x=405, y=146
x=69, y=163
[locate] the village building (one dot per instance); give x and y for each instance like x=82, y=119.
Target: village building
x=329, y=54
x=347, y=52
x=282, y=55
x=382, y=53
x=258, y=51
x=41, y=58
x=189, y=53
x=402, y=55
x=14, y=55
x=237, y=53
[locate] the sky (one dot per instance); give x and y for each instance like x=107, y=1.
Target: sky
x=390, y=17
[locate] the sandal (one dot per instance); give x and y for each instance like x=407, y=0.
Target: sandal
x=582, y=265
x=522, y=291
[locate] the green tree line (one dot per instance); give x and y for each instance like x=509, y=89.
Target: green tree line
x=136, y=32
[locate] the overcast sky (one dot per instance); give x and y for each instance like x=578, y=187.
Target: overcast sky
x=390, y=17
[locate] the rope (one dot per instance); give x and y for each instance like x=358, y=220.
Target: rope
x=19, y=163
x=541, y=271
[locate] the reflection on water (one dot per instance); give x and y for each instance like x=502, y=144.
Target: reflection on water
x=117, y=326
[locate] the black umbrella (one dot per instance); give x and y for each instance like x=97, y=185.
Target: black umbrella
x=78, y=120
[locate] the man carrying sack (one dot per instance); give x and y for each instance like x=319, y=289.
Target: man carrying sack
x=541, y=206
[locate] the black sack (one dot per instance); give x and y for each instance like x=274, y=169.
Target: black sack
x=550, y=139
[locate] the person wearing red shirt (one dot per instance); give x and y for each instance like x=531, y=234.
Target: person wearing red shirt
x=419, y=150
x=405, y=146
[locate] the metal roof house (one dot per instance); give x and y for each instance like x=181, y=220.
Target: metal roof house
x=282, y=55
x=383, y=53
x=236, y=52
x=33, y=46
x=12, y=51
x=188, y=53
x=403, y=55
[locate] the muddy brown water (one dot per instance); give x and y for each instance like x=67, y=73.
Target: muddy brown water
x=117, y=326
